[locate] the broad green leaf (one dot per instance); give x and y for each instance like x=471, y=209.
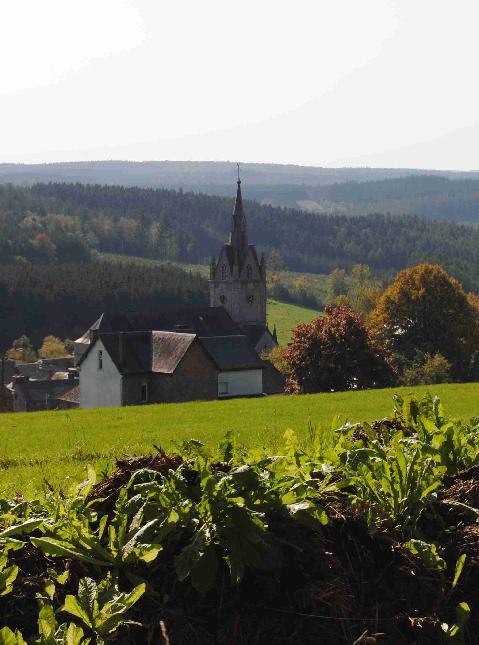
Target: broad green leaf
x=56, y=548
x=203, y=572
x=459, y=567
x=463, y=612
x=7, y=578
x=147, y=552
x=7, y=637
x=134, y=595
x=73, y=607
x=50, y=589
x=74, y=635
x=20, y=529
x=46, y=621
x=427, y=552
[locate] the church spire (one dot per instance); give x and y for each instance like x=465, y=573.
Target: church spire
x=238, y=235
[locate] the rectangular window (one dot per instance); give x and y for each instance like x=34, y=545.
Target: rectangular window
x=223, y=387
x=100, y=359
x=144, y=392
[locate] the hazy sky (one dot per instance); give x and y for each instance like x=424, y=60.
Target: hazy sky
x=319, y=82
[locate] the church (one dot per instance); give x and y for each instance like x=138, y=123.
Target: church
x=238, y=282
x=187, y=354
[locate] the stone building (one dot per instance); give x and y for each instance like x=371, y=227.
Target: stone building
x=33, y=395
x=134, y=368
x=187, y=354
x=238, y=282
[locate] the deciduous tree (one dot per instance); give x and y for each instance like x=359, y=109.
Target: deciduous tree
x=426, y=311
x=52, y=347
x=335, y=352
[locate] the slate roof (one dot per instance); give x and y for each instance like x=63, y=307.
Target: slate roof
x=72, y=396
x=37, y=393
x=254, y=332
x=156, y=351
x=231, y=352
x=203, y=321
x=168, y=348
x=44, y=368
x=162, y=351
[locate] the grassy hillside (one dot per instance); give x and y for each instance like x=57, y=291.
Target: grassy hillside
x=45, y=445
x=286, y=316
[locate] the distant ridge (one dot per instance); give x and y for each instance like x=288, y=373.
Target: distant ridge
x=203, y=173
x=435, y=194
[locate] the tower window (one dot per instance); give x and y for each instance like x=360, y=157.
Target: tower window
x=100, y=359
x=223, y=272
x=222, y=299
x=250, y=299
x=249, y=272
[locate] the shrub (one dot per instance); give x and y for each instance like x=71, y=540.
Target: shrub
x=435, y=369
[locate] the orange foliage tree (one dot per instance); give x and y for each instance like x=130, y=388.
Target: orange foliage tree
x=424, y=312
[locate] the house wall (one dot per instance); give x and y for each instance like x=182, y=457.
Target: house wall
x=19, y=402
x=6, y=399
x=194, y=379
x=273, y=381
x=99, y=388
x=241, y=383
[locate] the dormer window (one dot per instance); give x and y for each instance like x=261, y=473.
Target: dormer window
x=249, y=272
x=223, y=271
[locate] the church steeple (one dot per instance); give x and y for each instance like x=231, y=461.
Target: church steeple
x=238, y=235
x=238, y=277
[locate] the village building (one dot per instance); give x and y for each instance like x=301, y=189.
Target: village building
x=238, y=282
x=29, y=395
x=187, y=354
x=133, y=368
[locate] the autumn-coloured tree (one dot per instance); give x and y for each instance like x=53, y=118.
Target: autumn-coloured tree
x=52, y=347
x=334, y=352
x=22, y=351
x=426, y=311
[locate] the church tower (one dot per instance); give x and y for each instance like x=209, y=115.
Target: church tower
x=238, y=280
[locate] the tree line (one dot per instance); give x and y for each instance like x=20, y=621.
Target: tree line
x=48, y=223
x=424, y=328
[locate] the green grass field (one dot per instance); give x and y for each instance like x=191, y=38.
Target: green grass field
x=286, y=316
x=56, y=445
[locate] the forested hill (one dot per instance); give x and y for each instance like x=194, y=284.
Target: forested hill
x=49, y=223
x=437, y=198
x=65, y=299
x=435, y=194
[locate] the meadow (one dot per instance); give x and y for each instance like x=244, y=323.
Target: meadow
x=56, y=446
